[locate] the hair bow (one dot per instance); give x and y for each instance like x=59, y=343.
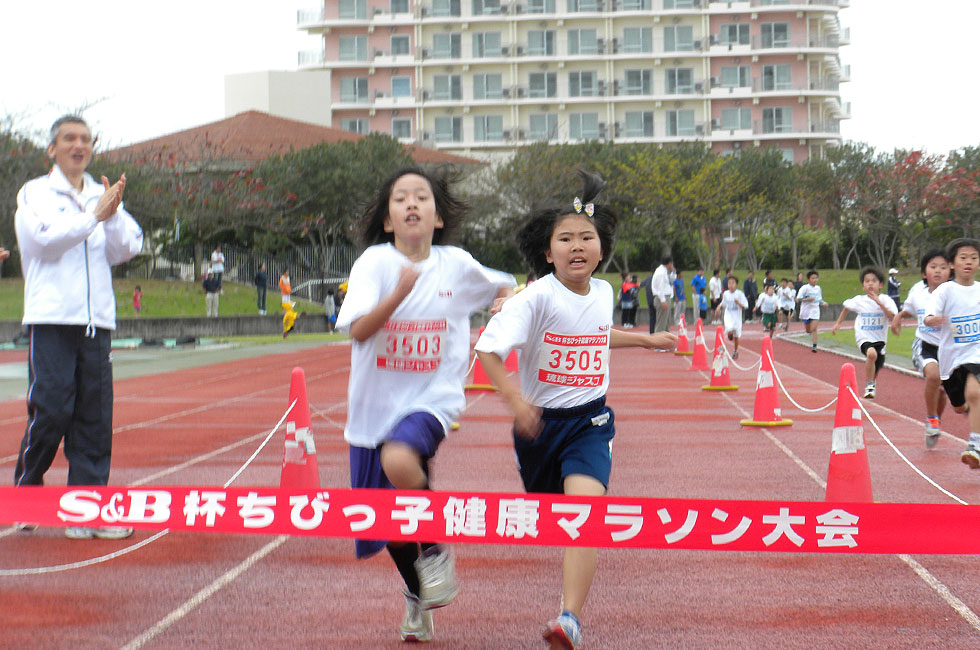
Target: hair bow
x=589, y=207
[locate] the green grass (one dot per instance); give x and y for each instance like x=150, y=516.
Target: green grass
x=162, y=299
x=900, y=345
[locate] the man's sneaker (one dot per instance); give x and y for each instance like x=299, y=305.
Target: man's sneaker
x=971, y=456
x=106, y=532
x=436, y=568
x=932, y=432
x=869, y=391
x=25, y=528
x=813, y=348
x=417, y=624
x=563, y=632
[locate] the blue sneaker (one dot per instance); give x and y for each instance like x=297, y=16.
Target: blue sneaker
x=564, y=632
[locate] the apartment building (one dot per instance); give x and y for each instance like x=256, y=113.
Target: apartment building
x=481, y=77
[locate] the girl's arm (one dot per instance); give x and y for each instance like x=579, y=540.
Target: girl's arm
x=368, y=325
x=502, y=296
x=660, y=340
x=840, y=319
x=527, y=418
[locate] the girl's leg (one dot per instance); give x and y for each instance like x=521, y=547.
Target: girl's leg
x=403, y=466
x=972, y=395
x=934, y=395
x=869, y=365
x=579, y=564
x=736, y=347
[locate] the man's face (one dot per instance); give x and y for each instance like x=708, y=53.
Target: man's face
x=72, y=149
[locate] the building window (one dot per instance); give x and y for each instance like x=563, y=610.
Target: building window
x=735, y=76
x=401, y=128
x=486, y=44
x=445, y=7
x=735, y=34
x=583, y=126
x=543, y=84
x=679, y=38
x=401, y=86
x=487, y=86
x=679, y=4
x=486, y=7
x=637, y=39
x=355, y=125
x=544, y=126
x=777, y=120
x=734, y=119
x=787, y=155
x=582, y=83
x=541, y=42
x=768, y=3
x=639, y=82
x=446, y=46
x=400, y=45
x=352, y=9
x=679, y=81
x=680, y=123
x=447, y=86
x=398, y=6
x=634, y=5
x=582, y=41
x=775, y=35
x=540, y=6
x=449, y=129
x=639, y=124
x=353, y=48
x=488, y=128
x=777, y=77
x=354, y=90
x=583, y=5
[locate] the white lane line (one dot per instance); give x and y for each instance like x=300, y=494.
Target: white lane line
x=197, y=599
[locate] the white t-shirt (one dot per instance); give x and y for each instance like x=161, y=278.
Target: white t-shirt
x=562, y=340
x=417, y=361
x=810, y=298
x=768, y=304
x=871, y=323
x=714, y=287
x=734, y=302
x=915, y=305
x=959, y=306
x=217, y=262
x=787, y=297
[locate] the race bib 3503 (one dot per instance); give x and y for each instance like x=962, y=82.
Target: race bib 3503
x=411, y=345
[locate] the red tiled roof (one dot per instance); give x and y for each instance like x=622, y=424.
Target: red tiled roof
x=253, y=136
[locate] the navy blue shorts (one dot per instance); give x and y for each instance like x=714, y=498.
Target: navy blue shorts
x=422, y=432
x=955, y=386
x=575, y=440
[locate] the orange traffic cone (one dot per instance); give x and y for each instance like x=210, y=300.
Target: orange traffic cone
x=480, y=380
x=699, y=360
x=848, y=477
x=720, y=377
x=683, y=349
x=766, y=412
x=299, y=468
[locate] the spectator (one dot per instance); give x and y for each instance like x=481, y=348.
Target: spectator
x=261, y=281
x=893, y=287
x=71, y=230
x=212, y=294
x=218, y=265
x=751, y=291
x=680, y=300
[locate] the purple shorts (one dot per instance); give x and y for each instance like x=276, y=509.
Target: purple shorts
x=422, y=432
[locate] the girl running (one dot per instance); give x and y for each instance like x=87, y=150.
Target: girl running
x=562, y=324
x=407, y=309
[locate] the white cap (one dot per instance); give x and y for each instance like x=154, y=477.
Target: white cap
x=892, y=271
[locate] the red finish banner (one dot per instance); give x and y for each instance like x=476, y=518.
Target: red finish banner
x=501, y=518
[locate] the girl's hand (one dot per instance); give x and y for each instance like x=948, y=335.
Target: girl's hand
x=406, y=280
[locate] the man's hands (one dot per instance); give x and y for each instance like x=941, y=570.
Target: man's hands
x=110, y=200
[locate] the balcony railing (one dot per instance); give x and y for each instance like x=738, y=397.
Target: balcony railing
x=307, y=58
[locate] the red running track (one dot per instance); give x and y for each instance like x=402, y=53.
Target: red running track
x=198, y=426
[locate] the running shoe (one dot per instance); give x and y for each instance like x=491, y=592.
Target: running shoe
x=564, y=632
x=869, y=391
x=735, y=354
x=813, y=348
x=25, y=528
x=417, y=624
x=971, y=456
x=105, y=532
x=436, y=568
x=932, y=432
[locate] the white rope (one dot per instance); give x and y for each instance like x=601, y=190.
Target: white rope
x=900, y=454
x=790, y=397
x=731, y=360
x=145, y=542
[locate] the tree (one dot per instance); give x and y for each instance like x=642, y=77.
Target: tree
x=20, y=161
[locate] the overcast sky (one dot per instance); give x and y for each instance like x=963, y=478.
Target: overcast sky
x=159, y=67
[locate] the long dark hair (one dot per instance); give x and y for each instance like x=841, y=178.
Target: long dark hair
x=534, y=238
x=451, y=209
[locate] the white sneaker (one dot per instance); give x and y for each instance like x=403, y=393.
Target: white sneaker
x=971, y=456
x=105, y=532
x=417, y=624
x=932, y=432
x=436, y=568
x=869, y=391
x=25, y=528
